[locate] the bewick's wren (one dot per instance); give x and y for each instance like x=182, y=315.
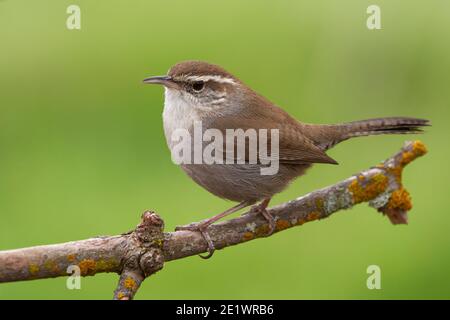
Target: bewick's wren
x=199, y=91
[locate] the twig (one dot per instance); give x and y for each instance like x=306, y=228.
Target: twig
x=142, y=252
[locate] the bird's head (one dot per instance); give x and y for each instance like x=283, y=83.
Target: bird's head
x=199, y=84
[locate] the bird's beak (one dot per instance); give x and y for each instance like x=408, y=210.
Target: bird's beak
x=164, y=80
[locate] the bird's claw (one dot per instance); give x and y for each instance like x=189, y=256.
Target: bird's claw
x=269, y=218
x=202, y=229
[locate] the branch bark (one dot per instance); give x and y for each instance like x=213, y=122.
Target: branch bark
x=142, y=252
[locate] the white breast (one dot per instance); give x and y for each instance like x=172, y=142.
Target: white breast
x=177, y=114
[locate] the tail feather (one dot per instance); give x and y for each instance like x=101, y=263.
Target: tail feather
x=393, y=125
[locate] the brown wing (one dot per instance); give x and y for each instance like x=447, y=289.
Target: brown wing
x=294, y=146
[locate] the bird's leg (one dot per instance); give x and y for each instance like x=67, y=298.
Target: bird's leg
x=203, y=225
x=262, y=209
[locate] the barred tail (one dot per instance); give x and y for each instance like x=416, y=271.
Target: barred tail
x=393, y=125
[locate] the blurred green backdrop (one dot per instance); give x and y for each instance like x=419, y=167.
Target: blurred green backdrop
x=82, y=151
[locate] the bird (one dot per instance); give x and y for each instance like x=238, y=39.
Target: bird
x=201, y=92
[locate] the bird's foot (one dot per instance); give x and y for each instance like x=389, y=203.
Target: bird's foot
x=262, y=209
x=203, y=225
x=201, y=228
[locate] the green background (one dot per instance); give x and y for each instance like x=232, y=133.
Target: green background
x=82, y=151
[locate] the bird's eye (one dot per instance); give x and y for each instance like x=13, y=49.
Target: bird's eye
x=198, y=86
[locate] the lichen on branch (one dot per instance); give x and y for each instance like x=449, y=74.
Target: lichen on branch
x=140, y=253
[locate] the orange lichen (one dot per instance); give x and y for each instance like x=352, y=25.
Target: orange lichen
x=418, y=149
x=300, y=222
x=397, y=173
x=71, y=258
x=248, y=236
x=87, y=267
x=282, y=224
x=159, y=243
x=33, y=268
x=319, y=204
x=380, y=165
x=129, y=283
x=120, y=295
x=400, y=199
x=105, y=265
x=365, y=189
x=312, y=216
x=263, y=230
x=51, y=265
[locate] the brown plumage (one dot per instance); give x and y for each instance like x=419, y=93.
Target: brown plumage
x=199, y=91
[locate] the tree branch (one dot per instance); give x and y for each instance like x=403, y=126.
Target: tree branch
x=143, y=251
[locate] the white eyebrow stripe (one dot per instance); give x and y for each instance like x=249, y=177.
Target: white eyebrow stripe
x=215, y=78
x=218, y=101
